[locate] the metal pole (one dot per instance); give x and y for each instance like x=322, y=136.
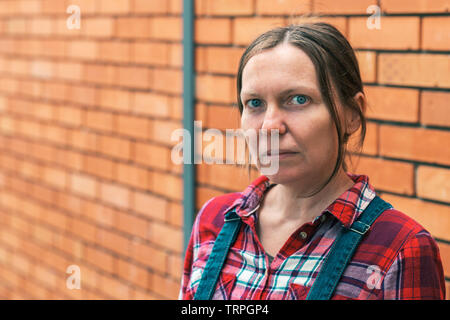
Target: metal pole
x=188, y=117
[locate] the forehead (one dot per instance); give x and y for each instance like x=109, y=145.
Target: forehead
x=278, y=67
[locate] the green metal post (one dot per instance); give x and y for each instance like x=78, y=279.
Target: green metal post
x=188, y=117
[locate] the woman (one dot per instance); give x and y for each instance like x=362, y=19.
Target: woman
x=310, y=230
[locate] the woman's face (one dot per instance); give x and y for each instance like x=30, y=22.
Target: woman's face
x=280, y=91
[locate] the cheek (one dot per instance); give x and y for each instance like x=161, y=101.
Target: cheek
x=317, y=137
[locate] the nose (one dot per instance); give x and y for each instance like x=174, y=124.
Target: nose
x=274, y=120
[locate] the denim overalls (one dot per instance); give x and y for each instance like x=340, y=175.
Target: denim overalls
x=333, y=266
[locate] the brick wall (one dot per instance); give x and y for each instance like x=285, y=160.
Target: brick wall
x=85, y=171
x=86, y=116
x=405, y=69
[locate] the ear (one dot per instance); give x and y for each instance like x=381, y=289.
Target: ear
x=353, y=121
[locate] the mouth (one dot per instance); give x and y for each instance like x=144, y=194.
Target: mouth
x=281, y=154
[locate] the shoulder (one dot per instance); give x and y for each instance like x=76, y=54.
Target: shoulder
x=392, y=232
x=211, y=215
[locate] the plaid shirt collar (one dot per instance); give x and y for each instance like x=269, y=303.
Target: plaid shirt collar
x=346, y=208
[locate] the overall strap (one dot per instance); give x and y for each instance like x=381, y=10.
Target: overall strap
x=222, y=244
x=342, y=251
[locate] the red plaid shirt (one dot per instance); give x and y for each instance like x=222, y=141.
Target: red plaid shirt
x=397, y=259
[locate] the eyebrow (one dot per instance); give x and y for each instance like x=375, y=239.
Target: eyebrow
x=284, y=92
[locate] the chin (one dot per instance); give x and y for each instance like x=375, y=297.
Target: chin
x=283, y=177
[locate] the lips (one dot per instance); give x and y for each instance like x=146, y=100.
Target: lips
x=280, y=152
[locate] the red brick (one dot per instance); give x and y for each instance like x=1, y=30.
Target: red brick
x=166, y=28
x=135, y=127
x=82, y=95
x=433, y=183
x=83, y=230
x=392, y=104
x=410, y=6
x=229, y=177
x=100, y=214
x=391, y=34
x=435, y=35
x=114, y=194
x=223, y=118
x=116, y=6
x=168, y=81
x=151, y=104
x=221, y=60
x=342, y=6
x=70, y=159
x=97, y=27
x=114, y=242
x=153, y=53
x=166, y=287
x=176, y=266
x=131, y=273
x=99, y=120
x=87, y=6
x=83, y=49
x=386, y=175
x=133, y=225
x=71, y=246
x=433, y=217
x=339, y=23
x=84, y=140
x=212, y=31
x=444, y=252
x=99, y=167
x=166, y=236
x=215, y=89
x=248, y=29
x=101, y=74
x=132, y=176
x=167, y=185
x=115, y=99
x=114, y=288
x=69, y=71
x=84, y=185
x=175, y=215
x=149, y=205
x=135, y=77
x=176, y=108
x=71, y=116
x=115, y=147
x=154, y=6
x=415, y=144
x=414, y=69
x=434, y=108
x=367, y=65
x=162, y=131
x=133, y=27
x=175, y=7
x=114, y=51
x=227, y=7
x=203, y=194
x=151, y=155
x=149, y=256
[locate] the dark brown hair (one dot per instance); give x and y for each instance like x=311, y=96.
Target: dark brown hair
x=336, y=68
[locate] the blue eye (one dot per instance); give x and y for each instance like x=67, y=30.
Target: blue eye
x=300, y=99
x=254, y=103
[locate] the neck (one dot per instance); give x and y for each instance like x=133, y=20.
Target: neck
x=292, y=204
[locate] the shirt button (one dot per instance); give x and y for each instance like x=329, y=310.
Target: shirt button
x=303, y=235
